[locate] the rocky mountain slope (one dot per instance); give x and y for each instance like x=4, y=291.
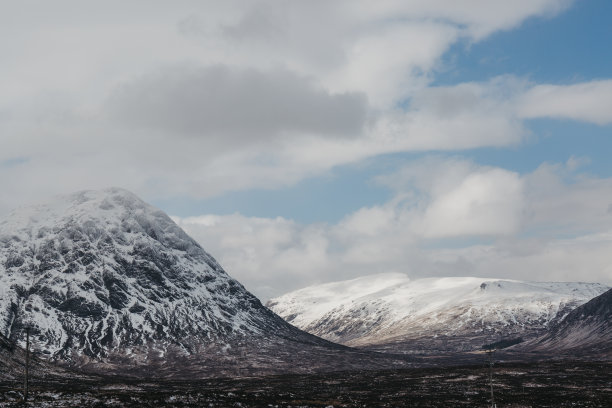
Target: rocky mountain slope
x=13, y=363
x=390, y=312
x=108, y=282
x=586, y=329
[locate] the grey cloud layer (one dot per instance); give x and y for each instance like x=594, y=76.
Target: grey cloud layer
x=244, y=103
x=309, y=76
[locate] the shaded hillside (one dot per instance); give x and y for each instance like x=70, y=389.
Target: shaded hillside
x=13, y=361
x=586, y=330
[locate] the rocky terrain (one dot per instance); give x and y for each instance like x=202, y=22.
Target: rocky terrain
x=392, y=313
x=107, y=283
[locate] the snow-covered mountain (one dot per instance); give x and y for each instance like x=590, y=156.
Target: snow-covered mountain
x=105, y=280
x=392, y=312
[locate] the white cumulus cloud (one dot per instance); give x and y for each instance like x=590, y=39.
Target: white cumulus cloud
x=449, y=217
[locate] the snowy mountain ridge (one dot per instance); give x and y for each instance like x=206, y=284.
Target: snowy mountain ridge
x=388, y=308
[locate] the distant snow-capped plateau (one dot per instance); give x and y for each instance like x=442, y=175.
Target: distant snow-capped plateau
x=390, y=312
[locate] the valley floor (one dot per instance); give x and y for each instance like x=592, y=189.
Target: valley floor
x=545, y=384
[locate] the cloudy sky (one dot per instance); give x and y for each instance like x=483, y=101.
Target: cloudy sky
x=309, y=141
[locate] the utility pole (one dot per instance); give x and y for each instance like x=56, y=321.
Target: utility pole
x=27, y=365
x=490, y=353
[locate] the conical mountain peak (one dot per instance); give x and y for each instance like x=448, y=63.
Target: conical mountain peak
x=100, y=272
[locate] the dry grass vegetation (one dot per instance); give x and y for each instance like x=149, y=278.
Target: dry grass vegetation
x=550, y=384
